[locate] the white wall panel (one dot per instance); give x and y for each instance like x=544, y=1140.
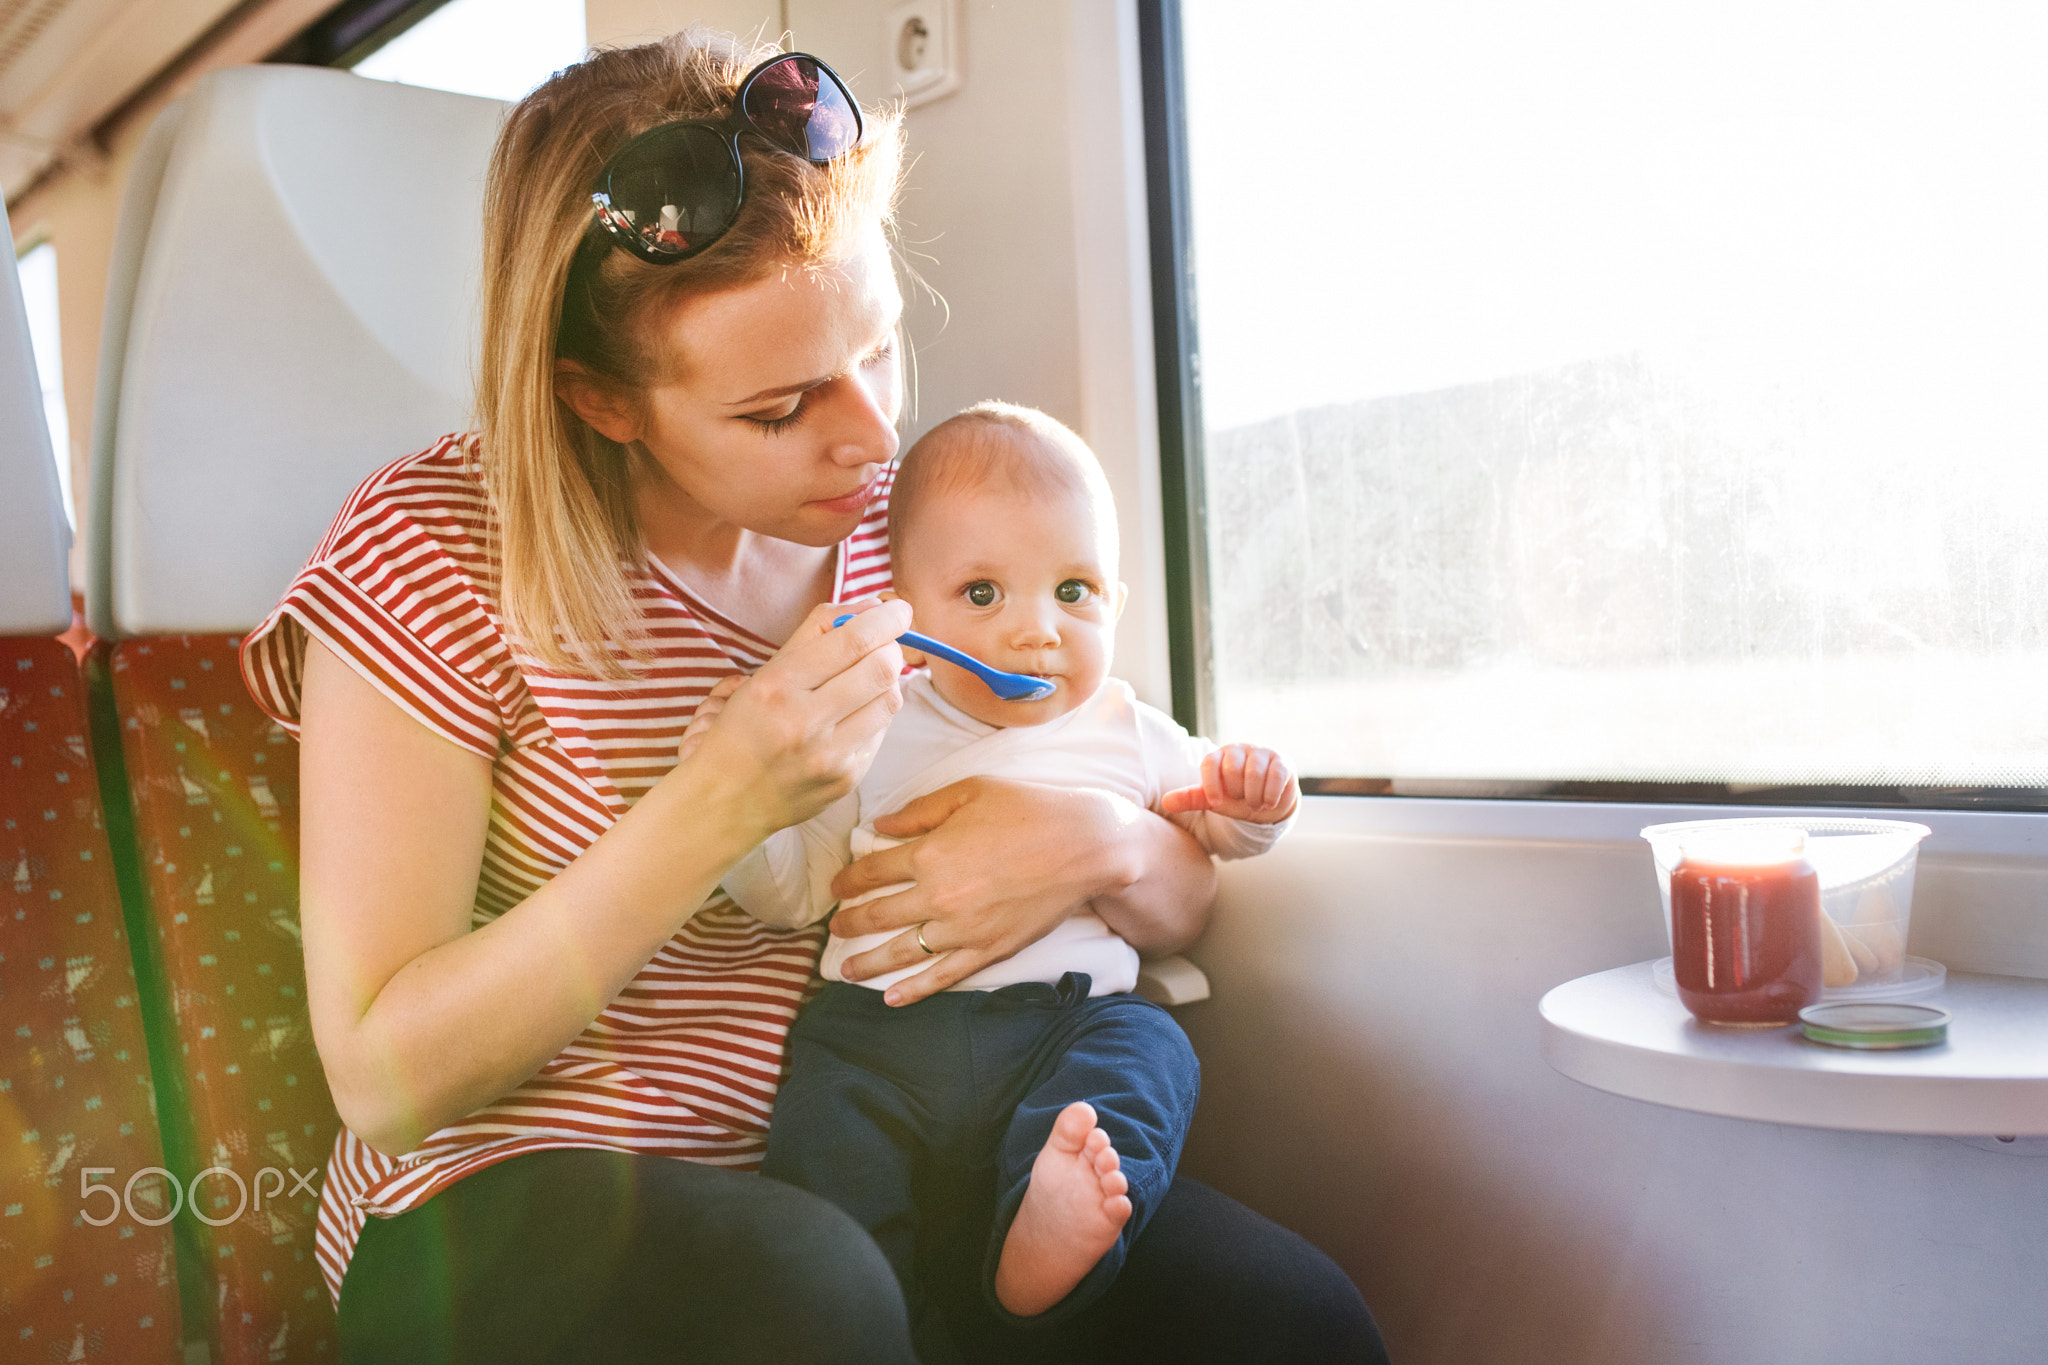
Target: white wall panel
x=620, y=23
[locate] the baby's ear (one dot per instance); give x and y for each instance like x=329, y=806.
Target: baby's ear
x=910, y=656
x=1123, y=595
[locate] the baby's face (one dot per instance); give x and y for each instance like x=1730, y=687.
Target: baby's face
x=1023, y=581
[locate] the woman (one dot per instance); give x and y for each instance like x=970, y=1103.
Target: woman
x=553, y=1041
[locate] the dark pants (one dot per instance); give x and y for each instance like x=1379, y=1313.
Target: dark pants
x=1210, y=1283
x=896, y=1114
x=587, y=1256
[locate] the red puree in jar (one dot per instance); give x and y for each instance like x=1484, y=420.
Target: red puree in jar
x=1745, y=930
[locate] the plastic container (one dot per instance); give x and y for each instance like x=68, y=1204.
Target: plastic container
x=1866, y=894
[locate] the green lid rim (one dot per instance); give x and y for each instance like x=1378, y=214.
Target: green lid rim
x=1874, y=1040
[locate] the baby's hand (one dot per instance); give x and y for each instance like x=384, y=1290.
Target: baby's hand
x=707, y=713
x=1240, y=782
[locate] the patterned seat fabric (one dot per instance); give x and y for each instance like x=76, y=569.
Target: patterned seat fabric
x=81, y=1279
x=214, y=783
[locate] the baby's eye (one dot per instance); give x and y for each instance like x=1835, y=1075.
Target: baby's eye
x=1072, y=591
x=982, y=594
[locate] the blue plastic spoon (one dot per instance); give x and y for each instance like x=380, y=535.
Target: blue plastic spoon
x=1008, y=686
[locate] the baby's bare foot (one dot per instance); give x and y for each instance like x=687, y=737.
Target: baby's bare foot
x=1072, y=1212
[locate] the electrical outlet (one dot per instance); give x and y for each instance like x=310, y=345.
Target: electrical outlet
x=923, y=43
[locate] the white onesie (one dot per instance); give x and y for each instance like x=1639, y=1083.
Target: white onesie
x=1112, y=742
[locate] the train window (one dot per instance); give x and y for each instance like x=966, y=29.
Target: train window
x=498, y=48
x=38, y=270
x=1604, y=400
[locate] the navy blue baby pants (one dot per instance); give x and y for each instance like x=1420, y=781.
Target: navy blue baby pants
x=884, y=1109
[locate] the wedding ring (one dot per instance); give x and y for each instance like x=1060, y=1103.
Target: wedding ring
x=921, y=943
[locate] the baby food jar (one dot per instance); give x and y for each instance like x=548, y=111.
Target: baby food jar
x=1745, y=927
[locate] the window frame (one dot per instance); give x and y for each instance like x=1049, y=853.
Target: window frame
x=352, y=30
x=1177, y=363
x=1176, y=348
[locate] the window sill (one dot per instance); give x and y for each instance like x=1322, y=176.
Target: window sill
x=2014, y=834
x=1616, y=1031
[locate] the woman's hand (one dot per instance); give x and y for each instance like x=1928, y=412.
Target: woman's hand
x=998, y=863
x=781, y=745
x=707, y=712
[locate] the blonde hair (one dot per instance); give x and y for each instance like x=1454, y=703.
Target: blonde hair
x=1019, y=448
x=561, y=492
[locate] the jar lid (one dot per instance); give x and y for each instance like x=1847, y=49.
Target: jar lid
x=1875, y=1026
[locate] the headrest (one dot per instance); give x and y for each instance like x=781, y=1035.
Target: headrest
x=291, y=307
x=35, y=587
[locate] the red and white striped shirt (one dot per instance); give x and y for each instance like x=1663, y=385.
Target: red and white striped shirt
x=685, y=1061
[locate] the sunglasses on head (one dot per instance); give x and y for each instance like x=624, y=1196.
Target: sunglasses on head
x=674, y=190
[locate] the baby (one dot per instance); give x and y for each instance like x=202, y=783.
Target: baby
x=1044, y=1066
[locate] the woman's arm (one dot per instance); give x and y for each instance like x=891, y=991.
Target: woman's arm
x=420, y=1020
x=999, y=863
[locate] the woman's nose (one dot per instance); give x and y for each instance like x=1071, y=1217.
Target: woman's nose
x=866, y=413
